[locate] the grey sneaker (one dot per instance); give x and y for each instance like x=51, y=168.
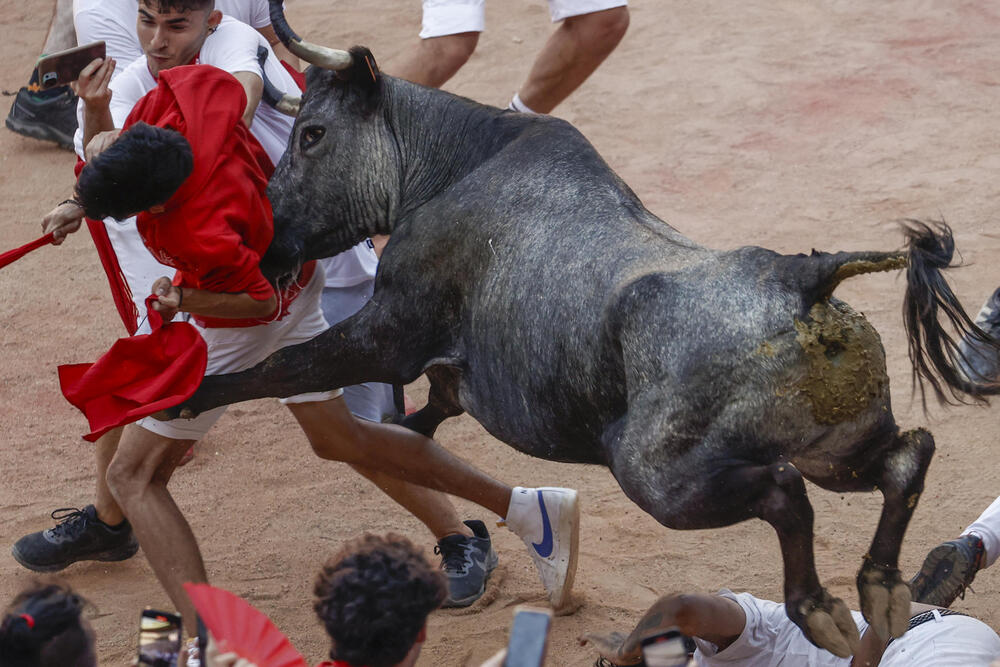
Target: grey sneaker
x=980, y=362
x=467, y=562
x=49, y=119
x=79, y=535
x=948, y=570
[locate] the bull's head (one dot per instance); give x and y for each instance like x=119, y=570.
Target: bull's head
x=338, y=181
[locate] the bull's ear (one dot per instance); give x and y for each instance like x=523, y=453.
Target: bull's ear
x=362, y=79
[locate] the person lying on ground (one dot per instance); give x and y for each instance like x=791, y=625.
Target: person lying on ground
x=741, y=630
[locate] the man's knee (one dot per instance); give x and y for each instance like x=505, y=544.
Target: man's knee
x=601, y=30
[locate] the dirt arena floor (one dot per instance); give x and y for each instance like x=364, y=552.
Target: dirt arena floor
x=785, y=124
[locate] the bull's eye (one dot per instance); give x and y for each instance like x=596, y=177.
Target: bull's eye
x=311, y=135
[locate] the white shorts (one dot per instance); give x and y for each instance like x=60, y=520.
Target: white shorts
x=239, y=348
x=770, y=639
x=450, y=17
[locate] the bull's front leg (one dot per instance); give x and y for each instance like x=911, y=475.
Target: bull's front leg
x=360, y=349
x=885, y=597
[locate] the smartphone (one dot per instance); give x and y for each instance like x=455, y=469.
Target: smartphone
x=529, y=637
x=58, y=69
x=665, y=649
x=159, y=638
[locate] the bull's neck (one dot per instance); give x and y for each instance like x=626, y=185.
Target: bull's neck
x=441, y=138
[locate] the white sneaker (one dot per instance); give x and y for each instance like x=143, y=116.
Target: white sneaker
x=547, y=519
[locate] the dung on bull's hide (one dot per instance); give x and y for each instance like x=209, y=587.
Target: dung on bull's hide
x=541, y=297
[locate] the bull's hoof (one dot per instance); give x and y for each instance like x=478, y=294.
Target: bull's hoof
x=885, y=599
x=827, y=622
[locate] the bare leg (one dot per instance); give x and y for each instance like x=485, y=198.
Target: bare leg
x=62, y=34
x=577, y=47
x=138, y=478
x=108, y=510
x=396, y=451
x=437, y=59
x=432, y=508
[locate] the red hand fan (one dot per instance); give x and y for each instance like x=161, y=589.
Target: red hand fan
x=247, y=631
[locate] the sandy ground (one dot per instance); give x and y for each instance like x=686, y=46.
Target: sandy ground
x=785, y=124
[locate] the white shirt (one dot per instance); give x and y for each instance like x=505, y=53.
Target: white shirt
x=233, y=48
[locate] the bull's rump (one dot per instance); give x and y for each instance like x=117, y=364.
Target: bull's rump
x=554, y=363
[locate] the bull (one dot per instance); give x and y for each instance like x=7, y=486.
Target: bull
x=536, y=292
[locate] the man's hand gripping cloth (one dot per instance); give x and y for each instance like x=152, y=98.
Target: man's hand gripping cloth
x=138, y=376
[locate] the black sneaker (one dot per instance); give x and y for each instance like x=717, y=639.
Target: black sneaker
x=49, y=119
x=467, y=562
x=980, y=362
x=948, y=570
x=79, y=535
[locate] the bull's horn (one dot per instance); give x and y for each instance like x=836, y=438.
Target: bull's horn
x=313, y=54
x=289, y=105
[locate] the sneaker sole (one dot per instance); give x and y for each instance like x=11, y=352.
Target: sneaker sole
x=950, y=582
x=113, y=555
x=39, y=131
x=569, y=522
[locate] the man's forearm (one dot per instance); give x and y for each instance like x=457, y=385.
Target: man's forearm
x=231, y=306
x=96, y=121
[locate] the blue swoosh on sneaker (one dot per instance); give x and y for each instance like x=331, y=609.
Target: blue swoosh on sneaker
x=545, y=548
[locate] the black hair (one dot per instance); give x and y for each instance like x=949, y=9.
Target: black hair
x=43, y=628
x=374, y=597
x=142, y=169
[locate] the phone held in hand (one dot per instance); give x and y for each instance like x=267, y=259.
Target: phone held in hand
x=159, y=638
x=529, y=637
x=63, y=67
x=665, y=649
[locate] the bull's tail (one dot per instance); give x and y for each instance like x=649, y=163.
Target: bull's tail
x=935, y=354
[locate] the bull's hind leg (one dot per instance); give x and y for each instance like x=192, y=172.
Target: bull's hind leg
x=697, y=490
x=885, y=597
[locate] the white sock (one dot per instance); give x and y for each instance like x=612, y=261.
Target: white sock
x=517, y=105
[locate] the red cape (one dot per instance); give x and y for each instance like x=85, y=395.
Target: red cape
x=138, y=376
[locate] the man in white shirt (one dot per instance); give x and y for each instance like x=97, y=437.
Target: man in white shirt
x=741, y=630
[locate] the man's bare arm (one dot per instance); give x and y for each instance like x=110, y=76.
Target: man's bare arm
x=210, y=304
x=253, y=85
x=92, y=87
x=713, y=618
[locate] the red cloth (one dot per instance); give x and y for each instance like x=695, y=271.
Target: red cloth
x=120, y=291
x=218, y=224
x=138, y=376
x=12, y=256
x=297, y=76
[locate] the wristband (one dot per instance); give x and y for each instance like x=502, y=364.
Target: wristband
x=72, y=200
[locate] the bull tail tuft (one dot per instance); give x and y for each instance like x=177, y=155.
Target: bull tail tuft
x=933, y=316
x=929, y=300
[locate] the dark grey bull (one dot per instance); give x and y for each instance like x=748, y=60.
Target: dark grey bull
x=539, y=295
